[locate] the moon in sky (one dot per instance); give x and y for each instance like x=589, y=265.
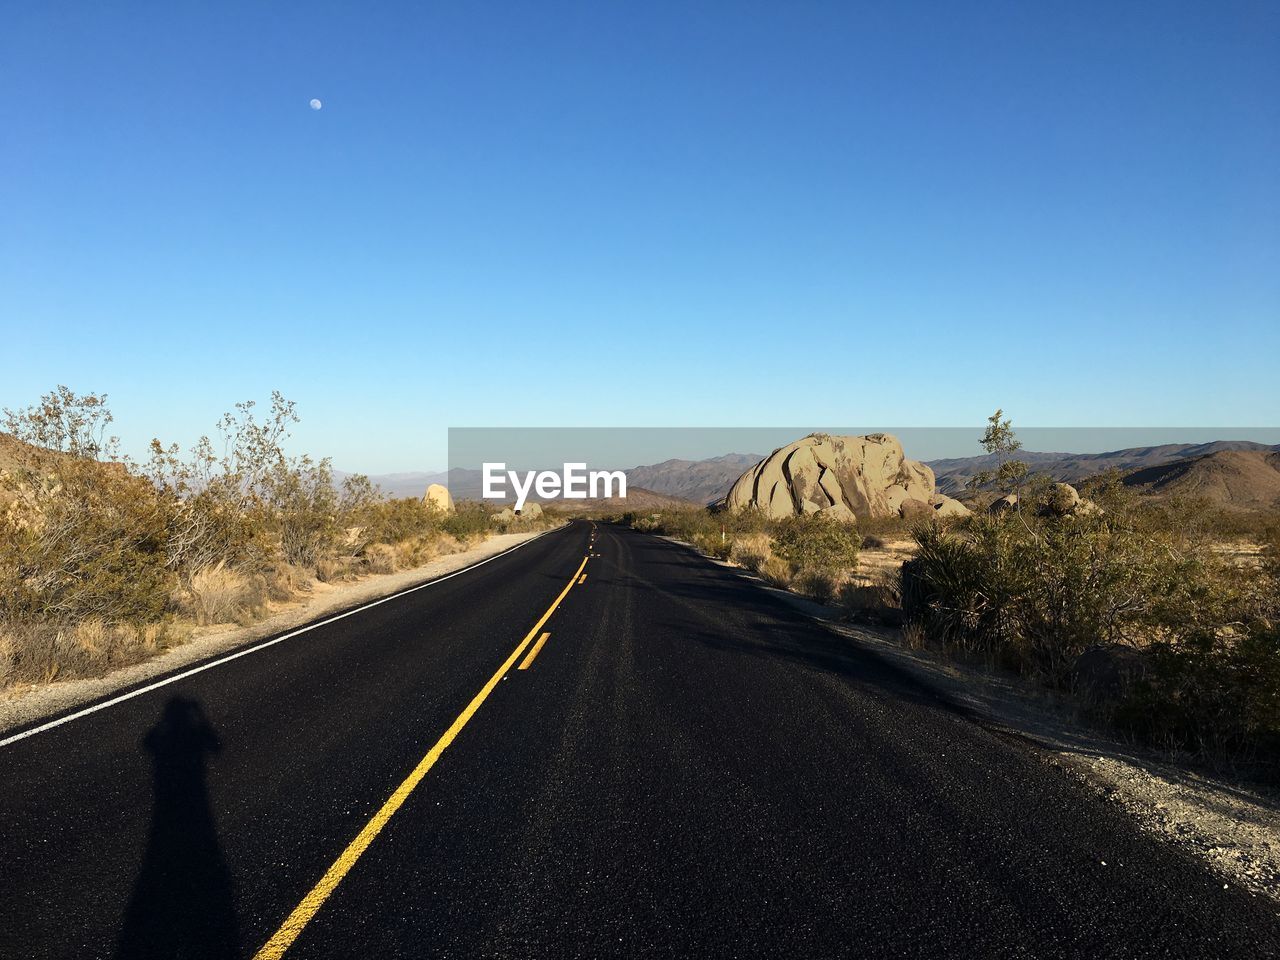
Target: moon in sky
x=316, y=104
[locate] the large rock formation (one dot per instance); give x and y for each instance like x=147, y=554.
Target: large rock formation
x=437, y=495
x=844, y=477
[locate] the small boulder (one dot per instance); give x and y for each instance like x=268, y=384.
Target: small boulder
x=1060, y=500
x=944, y=506
x=1003, y=504
x=437, y=495
x=505, y=515
x=531, y=511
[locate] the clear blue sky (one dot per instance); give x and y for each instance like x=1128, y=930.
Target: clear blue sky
x=607, y=213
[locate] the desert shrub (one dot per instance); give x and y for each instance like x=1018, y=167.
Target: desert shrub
x=1211, y=694
x=1036, y=589
x=219, y=594
x=878, y=600
x=379, y=558
x=43, y=652
x=714, y=544
x=777, y=572
x=819, y=585
x=816, y=542
x=751, y=550
x=83, y=540
x=469, y=521
x=397, y=521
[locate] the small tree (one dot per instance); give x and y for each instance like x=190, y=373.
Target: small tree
x=1010, y=475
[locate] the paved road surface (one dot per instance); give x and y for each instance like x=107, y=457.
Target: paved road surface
x=686, y=768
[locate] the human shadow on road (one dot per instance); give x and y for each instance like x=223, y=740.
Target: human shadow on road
x=182, y=904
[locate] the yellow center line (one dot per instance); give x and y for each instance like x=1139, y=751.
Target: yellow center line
x=524, y=665
x=583, y=578
x=313, y=901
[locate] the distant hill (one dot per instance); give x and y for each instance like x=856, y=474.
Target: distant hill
x=414, y=484
x=689, y=481
x=1234, y=478
x=638, y=499
x=1071, y=467
x=699, y=481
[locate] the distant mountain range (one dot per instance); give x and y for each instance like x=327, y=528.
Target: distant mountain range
x=953, y=474
x=1230, y=471
x=698, y=481
x=695, y=481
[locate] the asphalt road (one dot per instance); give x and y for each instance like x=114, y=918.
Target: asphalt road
x=686, y=768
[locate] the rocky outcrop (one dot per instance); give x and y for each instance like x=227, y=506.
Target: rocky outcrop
x=437, y=495
x=530, y=511
x=1060, y=500
x=842, y=477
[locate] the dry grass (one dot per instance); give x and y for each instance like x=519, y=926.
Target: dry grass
x=777, y=572
x=40, y=653
x=876, y=598
x=752, y=551
x=817, y=585
x=219, y=594
x=379, y=558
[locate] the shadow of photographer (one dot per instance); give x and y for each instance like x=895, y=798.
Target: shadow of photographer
x=182, y=903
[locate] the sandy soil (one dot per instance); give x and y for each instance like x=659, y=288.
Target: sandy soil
x=24, y=705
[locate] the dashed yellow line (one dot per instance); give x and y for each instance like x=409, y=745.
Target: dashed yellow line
x=293, y=925
x=583, y=578
x=524, y=664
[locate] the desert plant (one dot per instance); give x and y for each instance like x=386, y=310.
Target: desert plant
x=816, y=542
x=819, y=585
x=777, y=572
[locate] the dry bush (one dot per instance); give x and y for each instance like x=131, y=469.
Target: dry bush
x=335, y=569
x=8, y=658
x=86, y=540
x=914, y=636
x=284, y=581
x=776, y=572
x=41, y=653
x=219, y=594
x=419, y=550
x=878, y=600
x=1037, y=593
x=752, y=550
x=379, y=558
x=819, y=585
x=715, y=544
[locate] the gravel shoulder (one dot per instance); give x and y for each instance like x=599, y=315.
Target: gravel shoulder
x=1234, y=827
x=28, y=704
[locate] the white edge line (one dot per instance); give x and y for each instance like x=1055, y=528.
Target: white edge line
x=254, y=649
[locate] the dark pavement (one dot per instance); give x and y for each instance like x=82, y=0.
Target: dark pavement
x=687, y=768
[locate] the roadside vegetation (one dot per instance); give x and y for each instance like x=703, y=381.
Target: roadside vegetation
x=1137, y=605
x=1161, y=615
x=104, y=561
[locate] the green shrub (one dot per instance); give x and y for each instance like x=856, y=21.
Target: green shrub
x=816, y=542
x=469, y=521
x=86, y=541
